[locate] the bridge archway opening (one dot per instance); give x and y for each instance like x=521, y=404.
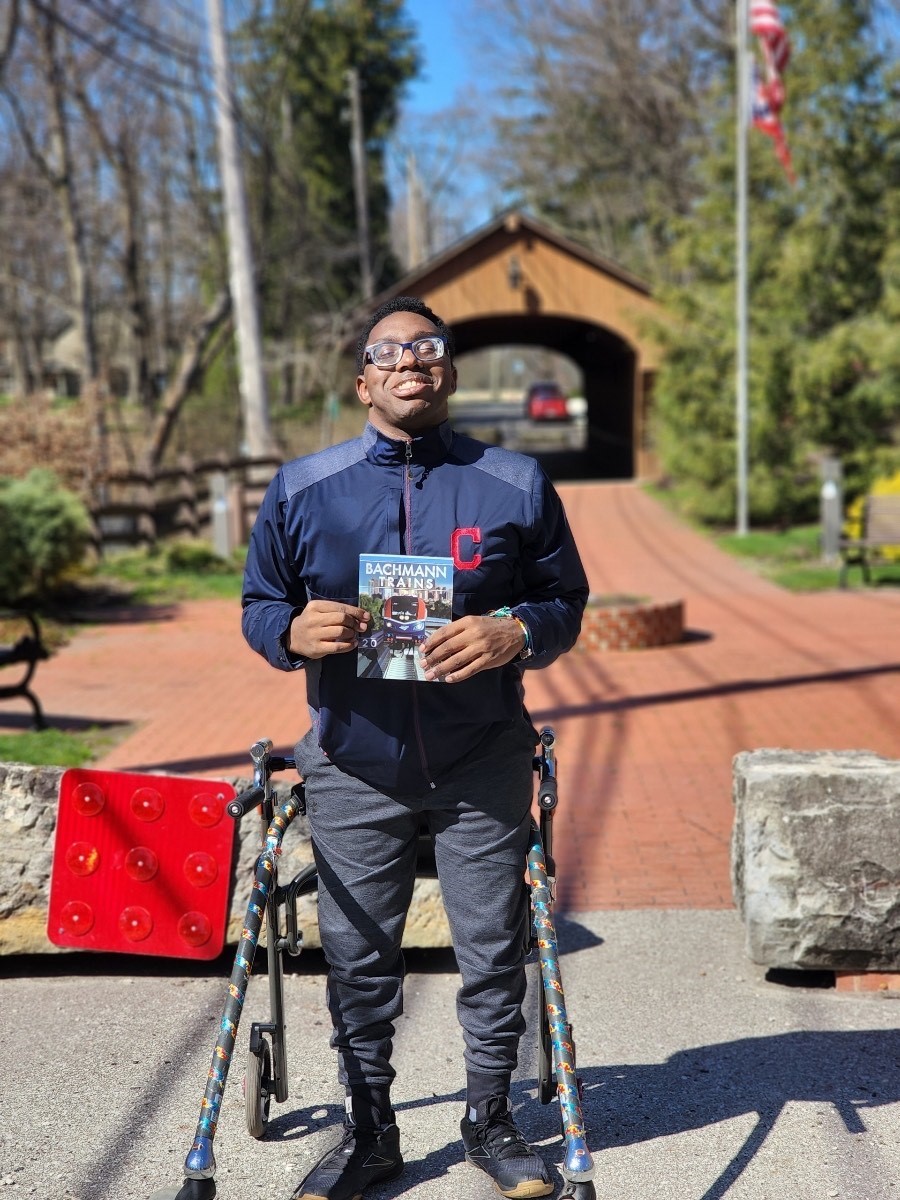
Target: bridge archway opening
x=606, y=364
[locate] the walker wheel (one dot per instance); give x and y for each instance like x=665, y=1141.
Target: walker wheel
x=258, y=1088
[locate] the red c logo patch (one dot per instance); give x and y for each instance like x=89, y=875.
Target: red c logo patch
x=474, y=535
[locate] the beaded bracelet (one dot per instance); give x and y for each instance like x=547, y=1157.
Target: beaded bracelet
x=506, y=611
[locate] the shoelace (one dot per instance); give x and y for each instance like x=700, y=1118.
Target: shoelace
x=499, y=1134
x=353, y=1139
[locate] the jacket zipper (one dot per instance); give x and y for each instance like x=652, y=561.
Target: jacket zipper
x=408, y=544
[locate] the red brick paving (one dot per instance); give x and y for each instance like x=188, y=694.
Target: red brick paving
x=646, y=737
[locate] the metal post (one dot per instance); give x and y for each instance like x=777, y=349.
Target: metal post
x=742, y=65
x=831, y=508
x=221, y=517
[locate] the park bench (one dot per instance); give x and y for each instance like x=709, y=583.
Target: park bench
x=880, y=531
x=25, y=653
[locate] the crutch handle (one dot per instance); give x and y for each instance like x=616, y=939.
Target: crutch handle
x=548, y=795
x=244, y=801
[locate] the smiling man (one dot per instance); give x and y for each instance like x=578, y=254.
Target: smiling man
x=450, y=746
x=413, y=378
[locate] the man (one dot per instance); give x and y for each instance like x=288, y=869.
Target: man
x=453, y=748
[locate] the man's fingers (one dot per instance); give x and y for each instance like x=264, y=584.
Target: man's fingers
x=327, y=627
x=337, y=611
x=468, y=646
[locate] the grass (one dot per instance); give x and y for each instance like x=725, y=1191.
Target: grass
x=792, y=559
x=179, y=571
x=56, y=748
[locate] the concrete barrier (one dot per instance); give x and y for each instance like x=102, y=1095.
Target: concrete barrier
x=816, y=858
x=28, y=801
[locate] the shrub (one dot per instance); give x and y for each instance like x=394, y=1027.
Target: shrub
x=195, y=557
x=44, y=533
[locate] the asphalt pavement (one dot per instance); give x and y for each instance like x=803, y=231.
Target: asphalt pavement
x=702, y=1079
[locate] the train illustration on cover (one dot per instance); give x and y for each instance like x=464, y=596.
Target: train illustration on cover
x=403, y=621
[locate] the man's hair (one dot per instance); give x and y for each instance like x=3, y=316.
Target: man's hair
x=402, y=304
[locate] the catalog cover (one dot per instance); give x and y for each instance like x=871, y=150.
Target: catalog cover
x=409, y=596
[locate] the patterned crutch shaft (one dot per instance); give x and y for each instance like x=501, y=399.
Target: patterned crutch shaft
x=200, y=1162
x=578, y=1164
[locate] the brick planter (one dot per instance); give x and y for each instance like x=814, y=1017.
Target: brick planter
x=630, y=623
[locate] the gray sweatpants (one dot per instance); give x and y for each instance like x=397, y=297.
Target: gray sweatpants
x=365, y=846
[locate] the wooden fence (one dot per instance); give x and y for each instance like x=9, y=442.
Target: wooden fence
x=216, y=499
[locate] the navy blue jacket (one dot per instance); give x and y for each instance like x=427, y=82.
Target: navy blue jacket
x=493, y=511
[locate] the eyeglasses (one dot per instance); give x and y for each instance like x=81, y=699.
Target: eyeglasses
x=388, y=354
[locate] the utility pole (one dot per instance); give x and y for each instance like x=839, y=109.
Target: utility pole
x=742, y=72
x=257, y=433
x=358, y=153
x=415, y=215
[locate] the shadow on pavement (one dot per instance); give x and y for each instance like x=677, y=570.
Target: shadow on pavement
x=734, y=687
x=65, y=724
x=693, y=1089
x=626, y=1104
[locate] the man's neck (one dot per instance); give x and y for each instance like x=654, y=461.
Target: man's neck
x=396, y=434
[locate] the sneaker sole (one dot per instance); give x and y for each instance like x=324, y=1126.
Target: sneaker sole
x=534, y=1187
x=357, y=1195
x=530, y=1187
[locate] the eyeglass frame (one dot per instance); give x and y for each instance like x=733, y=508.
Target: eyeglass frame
x=425, y=337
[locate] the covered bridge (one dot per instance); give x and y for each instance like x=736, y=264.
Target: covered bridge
x=518, y=282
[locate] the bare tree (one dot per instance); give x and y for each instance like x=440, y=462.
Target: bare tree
x=600, y=110
x=200, y=345
x=8, y=30
x=434, y=202
x=33, y=275
x=106, y=108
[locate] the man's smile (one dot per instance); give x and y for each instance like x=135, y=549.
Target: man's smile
x=414, y=385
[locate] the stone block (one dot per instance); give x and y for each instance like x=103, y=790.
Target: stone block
x=28, y=800
x=815, y=860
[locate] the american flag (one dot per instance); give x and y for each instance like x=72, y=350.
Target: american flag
x=768, y=88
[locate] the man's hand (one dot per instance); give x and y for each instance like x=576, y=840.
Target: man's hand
x=463, y=648
x=326, y=627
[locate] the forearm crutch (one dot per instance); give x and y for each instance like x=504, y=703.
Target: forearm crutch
x=200, y=1164
x=578, y=1166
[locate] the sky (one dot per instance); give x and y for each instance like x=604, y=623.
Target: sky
x=446, y=64
x=449, y=34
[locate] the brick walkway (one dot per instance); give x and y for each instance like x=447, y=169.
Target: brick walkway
x=646, y=737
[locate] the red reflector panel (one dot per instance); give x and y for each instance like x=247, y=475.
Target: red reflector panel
x=141, y=864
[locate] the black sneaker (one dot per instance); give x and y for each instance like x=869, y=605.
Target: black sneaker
x=495, y=1145
x=363, y=1156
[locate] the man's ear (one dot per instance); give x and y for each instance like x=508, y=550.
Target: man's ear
x=362, y=391
x=453, y=376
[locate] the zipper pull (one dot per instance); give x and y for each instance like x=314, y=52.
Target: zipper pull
x=409, y=460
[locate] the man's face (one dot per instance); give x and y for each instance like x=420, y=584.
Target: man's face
x=411, y=396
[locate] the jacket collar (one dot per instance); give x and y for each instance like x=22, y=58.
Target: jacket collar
x=429, y=448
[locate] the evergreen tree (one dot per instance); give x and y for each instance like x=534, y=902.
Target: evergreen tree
x=823, y=287
x=296, y=107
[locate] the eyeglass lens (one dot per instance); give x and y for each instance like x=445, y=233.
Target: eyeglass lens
x=388, y=354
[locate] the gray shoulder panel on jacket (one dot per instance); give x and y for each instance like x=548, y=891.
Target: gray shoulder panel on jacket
x=519, y=470
x=302, y=473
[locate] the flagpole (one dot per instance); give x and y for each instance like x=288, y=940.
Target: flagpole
x=743, y=114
